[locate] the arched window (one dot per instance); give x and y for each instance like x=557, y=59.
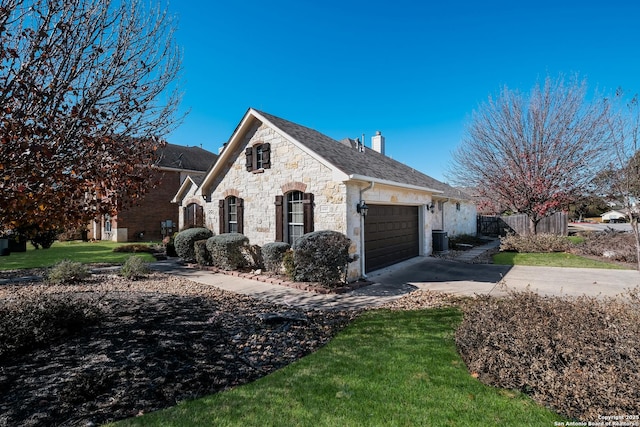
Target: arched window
x=294, y=216
x=193, y=216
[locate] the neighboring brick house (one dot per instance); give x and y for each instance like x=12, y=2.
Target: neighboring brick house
x=155, y=216
x=276, y=180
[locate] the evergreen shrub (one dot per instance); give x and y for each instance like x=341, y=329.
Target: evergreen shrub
x=228, y=250
x=203, y=256
x=322, y=256
x=185, y=240
x=273, y=255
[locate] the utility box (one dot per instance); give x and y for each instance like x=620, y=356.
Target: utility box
x=440, y=241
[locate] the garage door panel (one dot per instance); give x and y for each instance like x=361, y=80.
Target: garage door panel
x=391, y=235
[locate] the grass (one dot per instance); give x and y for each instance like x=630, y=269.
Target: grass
x=392, y=368
x=554, y=259
x=84, y=252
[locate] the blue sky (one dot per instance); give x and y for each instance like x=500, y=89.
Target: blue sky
x=413, y=70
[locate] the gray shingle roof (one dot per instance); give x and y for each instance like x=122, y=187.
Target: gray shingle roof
x=187, y=158
x=369, y=163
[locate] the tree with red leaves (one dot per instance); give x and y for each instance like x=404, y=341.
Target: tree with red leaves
x=88, y=88
x=534, y=153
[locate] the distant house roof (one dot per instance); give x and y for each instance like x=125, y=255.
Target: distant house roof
x=185, y=158
x=368, y=163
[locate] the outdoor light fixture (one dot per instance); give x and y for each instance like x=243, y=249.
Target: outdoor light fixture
x=362, y=208
x=431, y=207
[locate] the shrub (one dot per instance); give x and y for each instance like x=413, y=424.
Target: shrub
x=169, y=245
x=537, y=243
x=184, y=242
x=44, y=239
x=67, y=271
x=203, y=257
x=579, y=356
x=134, y=267
x=322, y=256
x=227, y=250
x=288, y=264
x=273, y=254
x=134, y=248
x=612, y=244
x=32, y=320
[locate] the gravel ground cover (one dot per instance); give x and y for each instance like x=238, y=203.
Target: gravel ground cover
x=161, y=340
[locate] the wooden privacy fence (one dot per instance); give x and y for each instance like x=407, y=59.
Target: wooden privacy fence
x=496, y=225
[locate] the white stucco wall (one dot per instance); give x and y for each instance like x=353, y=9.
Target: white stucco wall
x=455, y=221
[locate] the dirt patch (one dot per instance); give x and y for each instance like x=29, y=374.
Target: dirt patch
x=161, y=340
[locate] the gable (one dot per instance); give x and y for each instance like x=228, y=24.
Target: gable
x=345, y=162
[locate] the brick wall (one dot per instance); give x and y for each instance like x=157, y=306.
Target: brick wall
x=154, y=208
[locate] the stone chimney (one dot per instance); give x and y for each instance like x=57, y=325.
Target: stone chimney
x=377, y=142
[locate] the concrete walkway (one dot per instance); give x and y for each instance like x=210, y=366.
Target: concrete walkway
x=429, y=273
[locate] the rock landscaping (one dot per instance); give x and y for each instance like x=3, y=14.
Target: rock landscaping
x=159, y=340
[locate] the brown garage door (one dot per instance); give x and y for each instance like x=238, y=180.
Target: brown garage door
x=390, y=235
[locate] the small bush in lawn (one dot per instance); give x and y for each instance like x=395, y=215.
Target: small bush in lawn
x=184, y=242
x=273, y=254
x=322, y=256
x=44, y=238
x=203, y=257
x=228, y=250
x=537, y=243
x=134, y=248
x=67, y=271
x=32, y=320
x=579, y=356
x=134, y=267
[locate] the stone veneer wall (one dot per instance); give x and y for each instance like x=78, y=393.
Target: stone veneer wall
x=291, y=168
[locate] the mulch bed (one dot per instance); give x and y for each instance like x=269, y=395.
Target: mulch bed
x=161, y=340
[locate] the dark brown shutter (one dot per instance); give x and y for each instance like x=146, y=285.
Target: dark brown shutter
x=199, y=216
x=249, y=154
x=266, y=155
x=240, y=214
x=279, y=219
x=221, y=216
x=307, y=211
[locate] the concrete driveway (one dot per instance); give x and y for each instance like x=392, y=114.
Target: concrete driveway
x=468, y=279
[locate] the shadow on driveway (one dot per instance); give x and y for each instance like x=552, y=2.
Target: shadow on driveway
x=436, y=274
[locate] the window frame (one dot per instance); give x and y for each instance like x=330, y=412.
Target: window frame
x=224, y=214
x=258, y=157
x=281, y=210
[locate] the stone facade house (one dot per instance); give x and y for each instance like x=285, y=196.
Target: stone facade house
x=276, y=180
x=155, y=216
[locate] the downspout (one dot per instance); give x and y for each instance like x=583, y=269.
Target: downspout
x=370, y=187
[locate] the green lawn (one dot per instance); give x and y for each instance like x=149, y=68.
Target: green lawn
x=388, y=368
x=555, y=259
x=84, y=252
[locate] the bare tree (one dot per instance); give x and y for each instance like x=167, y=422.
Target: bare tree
x=532, y=153
x=620, y=180
x=88, y=88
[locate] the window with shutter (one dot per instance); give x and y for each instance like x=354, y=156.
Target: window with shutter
x=294, y=216
x=231, y=214
x=258, y=157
